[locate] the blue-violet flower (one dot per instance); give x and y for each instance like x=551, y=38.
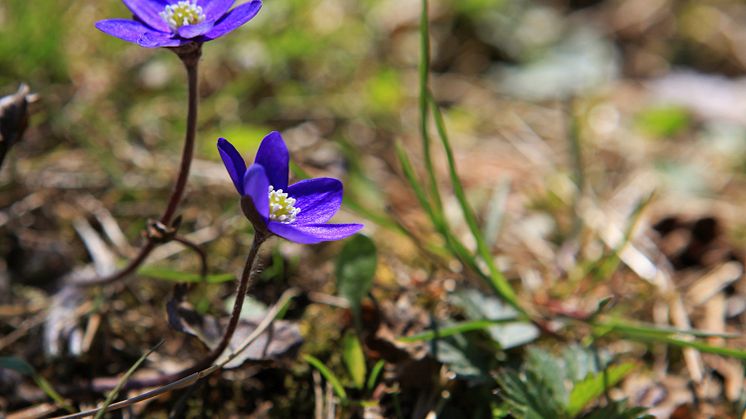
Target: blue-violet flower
x=298, y=212
x=173, y=23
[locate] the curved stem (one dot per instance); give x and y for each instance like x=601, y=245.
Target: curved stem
x=244, y=283
x=243, y=286
x=198, y=250
x=181, y=289
x=190, y=59
x=188, y=151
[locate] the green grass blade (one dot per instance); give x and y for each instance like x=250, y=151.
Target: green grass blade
x=167, y=274
x=328, y=375
x=434, y=209
x=458, y=328
x=497, y=280
x=652, y=330
x=47, y=388
x=409, y=174
x=374, y=374
x=454, y=245
x=645, y=334
x=700, y=346
x=576, y=151
x=496, y=211
x=424, y=70
x=113, y=393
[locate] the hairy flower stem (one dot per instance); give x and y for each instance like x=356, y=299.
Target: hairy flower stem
x=243, y=287
x=191, y=63
x=247, y=278
x=189, y=55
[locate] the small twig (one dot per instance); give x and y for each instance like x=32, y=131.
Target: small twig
x=318, y=398
x=181, y=383
x=34, y=321
x=181, y=289
x=23, y=328
x=197, y=249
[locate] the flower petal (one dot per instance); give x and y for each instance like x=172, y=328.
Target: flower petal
x=193, y=31
x=233, y=162
x=313, y=233
x=235, y=18
x=256, y=186
x=215, y=9
x=138, y=33
x=149, y=12
x=273, y=155
x=318, y=199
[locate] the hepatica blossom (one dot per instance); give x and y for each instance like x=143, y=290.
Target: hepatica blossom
x=172, y=23
x=298, y=212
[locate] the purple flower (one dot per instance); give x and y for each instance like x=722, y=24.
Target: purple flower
x=172, y=23
x=298, y=212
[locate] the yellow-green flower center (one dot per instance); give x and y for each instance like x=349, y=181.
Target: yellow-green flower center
x=281, y=206
x=185, y=12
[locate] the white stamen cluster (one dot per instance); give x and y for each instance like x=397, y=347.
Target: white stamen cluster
x=185, y=12
x=281, y=206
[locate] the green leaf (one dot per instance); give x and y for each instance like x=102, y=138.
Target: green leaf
x=457, y=328
x=23, y=367
x=478, y=306
x=528, y=398
x=354, y=358
x=18, y=365
x=374, y=373
x=663, y=331
x=356, y=267
x=468, y=358
x=594, y=385
x=550, y=371
x=663, y=122
x=167, y=274
x=328, y=375
x=580, y=361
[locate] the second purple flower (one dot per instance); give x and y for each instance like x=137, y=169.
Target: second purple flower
x=297, y=212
